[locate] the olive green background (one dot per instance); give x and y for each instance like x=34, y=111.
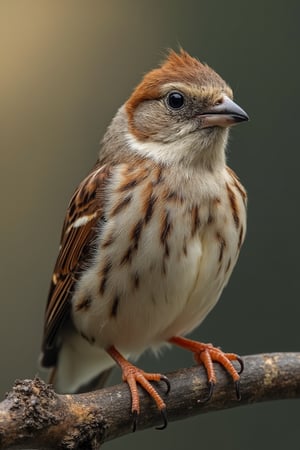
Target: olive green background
x=66, y=66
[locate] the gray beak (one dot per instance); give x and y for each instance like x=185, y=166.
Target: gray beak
x=225, y=114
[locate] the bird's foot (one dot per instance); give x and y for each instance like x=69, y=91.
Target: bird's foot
x=206, y=354
x=133, y=376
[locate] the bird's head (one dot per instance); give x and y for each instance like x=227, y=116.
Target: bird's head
x=181, y=112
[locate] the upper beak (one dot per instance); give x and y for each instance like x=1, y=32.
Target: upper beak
x=224, y=114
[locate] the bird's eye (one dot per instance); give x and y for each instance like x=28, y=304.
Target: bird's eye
x=175, y=100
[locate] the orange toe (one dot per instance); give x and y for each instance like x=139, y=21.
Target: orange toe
x=206, y=354
x=133, y=376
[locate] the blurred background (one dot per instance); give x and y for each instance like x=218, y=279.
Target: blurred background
x=66, y=66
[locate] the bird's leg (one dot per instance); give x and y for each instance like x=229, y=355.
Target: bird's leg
x=206, y=354
x=132, y=375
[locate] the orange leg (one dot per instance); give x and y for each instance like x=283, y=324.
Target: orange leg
x=206, y=354
x=133, y=375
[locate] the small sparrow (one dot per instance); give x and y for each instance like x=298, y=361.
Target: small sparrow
x=151, y=235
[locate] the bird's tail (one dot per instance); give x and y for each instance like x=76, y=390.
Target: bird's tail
x=80, y=367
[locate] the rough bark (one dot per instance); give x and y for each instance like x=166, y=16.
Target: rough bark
x=34, y=416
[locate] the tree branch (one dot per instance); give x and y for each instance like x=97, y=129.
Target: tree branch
x=34, y=416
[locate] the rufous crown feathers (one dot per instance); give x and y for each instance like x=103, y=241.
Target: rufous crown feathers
x=177, y=67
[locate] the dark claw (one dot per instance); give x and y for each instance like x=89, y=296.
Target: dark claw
x=241, y=362
x=134, y=420
x=165, y=419
x=237, y=389
x=166, y=380
x=211, y=386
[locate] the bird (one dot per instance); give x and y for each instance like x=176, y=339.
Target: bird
x=150, y=237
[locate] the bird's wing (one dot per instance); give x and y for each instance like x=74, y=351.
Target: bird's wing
x=79, y=230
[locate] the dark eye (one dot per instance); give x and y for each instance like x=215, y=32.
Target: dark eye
x=175, y=100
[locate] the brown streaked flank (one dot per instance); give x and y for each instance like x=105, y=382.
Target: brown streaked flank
x=136, y=233
x=233, y=204
x=166, y=227
x=222, y=244
x=148, y=201
x=121, y=205
x=184, y=247
x=158, y=174
x=110, y=239
x=115, y=306
x=149, y=207
x=104, y=275
x=136, y=280
x=91, y=340
x=237, y=184
x=228, y=266
x=132, y=179
x=195, y=219
x=127, y=257
x=83, y=304
x=240, y=237
x=210, y=219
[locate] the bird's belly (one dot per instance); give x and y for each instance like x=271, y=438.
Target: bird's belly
x=156, y=299
x=142, y=302
x=210, y=279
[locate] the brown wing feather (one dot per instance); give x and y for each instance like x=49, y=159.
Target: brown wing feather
x=83, y=214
